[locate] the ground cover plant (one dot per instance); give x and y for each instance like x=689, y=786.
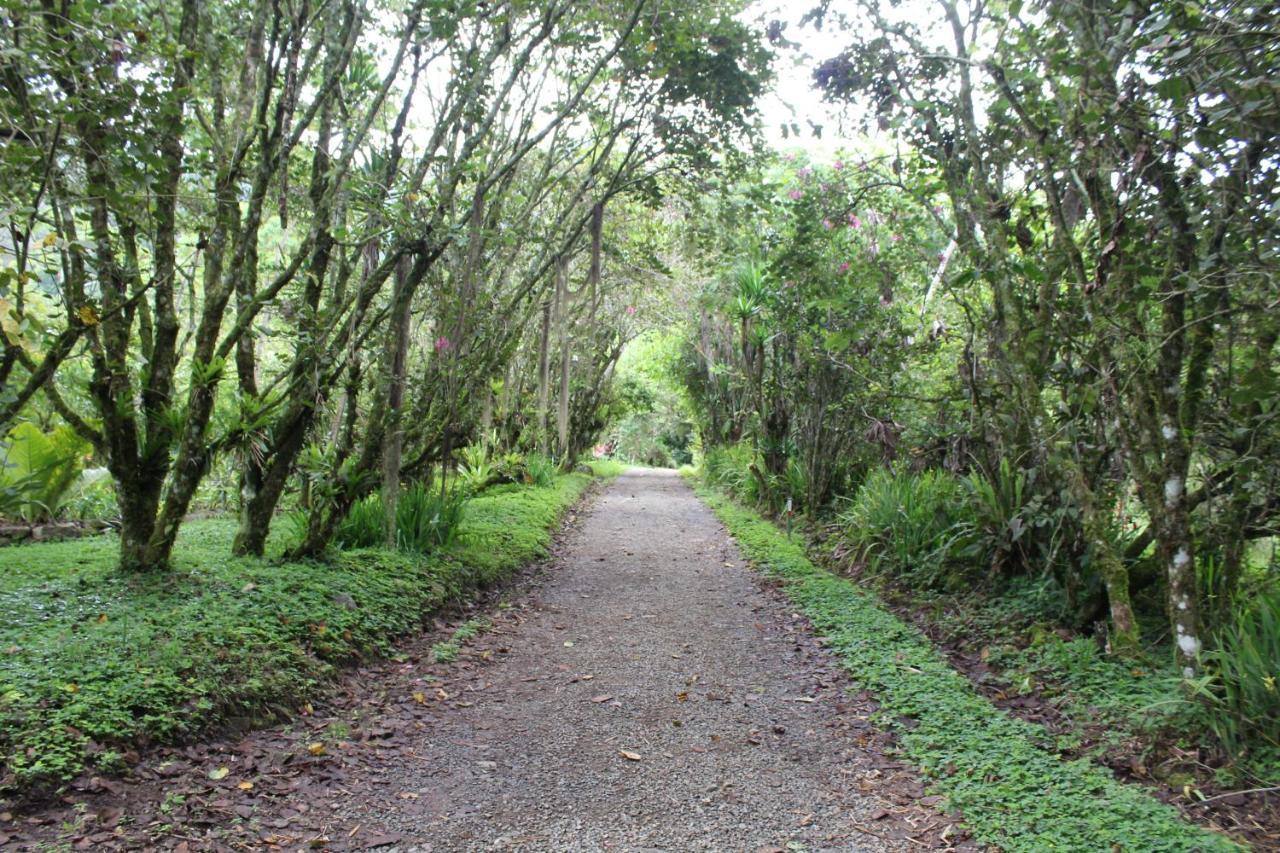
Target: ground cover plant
x=987, y=298
x=1000, y=773
x=94, y=664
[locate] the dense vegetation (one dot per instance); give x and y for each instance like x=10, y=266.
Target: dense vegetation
x=352, y=275
x=311, y=252
x=1026, y=332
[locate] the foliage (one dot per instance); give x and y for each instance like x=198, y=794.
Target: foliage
x=651, y=418
x=913, y=526
x=447, y=650
x=1011, y=790
x=729, y=467
x=539, y=470
x=477, y=469
x=234, y=237
x=426, y=520
x=38, y=471
x=1243, y=698
x=97, y=661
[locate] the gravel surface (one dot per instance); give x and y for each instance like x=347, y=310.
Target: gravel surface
x=645, y=704
x=640, y=690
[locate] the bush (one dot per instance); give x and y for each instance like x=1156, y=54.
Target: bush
x=910, y=525
x=539, y=470
x=477, y=470
x=37, y=470
x=92, y=498
x=425, y=520
x=1240, y=683
x=729, y=468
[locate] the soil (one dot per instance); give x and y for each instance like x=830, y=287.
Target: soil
x=640, y=690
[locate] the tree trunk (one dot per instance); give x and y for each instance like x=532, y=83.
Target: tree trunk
x=544, y=371
x=397, y=358
x=566, y=362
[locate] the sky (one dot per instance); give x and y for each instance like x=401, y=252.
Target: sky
x=793, y=98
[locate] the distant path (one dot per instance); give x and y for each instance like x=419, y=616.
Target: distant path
x=641, y=690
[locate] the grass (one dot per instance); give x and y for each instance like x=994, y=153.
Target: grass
x=609, y=467
x=94, y=663
x=447, y=651
x=999, y=772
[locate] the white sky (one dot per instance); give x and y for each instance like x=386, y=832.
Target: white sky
x=793, y=98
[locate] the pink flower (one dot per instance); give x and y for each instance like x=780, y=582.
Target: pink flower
x=844, y=267
x=804, y=171
x=937, y=209
x=789, y=157
x=796, y=195
x=854, y=221
x=442, y=344
x=838, y=165
x=885, y=301
x=895, y=237
x=826, y=223
x=631, y=309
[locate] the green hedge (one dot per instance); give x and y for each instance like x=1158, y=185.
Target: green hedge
x=92, y=661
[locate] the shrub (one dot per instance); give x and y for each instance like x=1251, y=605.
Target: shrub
x=909, y=525
x=476, y=470
x=364, y=525
x=38, y=470
x=539, y=470
x=425, y=520
x=729, y=468
x=92, y=498
x=531, y=469
x=1239, y=686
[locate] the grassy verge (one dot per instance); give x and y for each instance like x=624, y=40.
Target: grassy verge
x=94, y=664
x=996, y=770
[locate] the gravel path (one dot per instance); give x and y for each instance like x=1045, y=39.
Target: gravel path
x=640, y=690
x=645, y=704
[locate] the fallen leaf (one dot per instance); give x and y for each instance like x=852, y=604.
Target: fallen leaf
x=604, y=697
x=682, y=696
x=419, y=697
x=219, y=773
x=316, y=748
x=441, y=694
x=245, y=786
x=629, y=755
